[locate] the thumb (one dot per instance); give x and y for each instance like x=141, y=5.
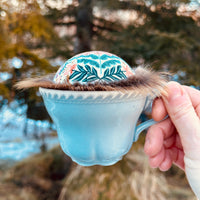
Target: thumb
x=183, y=115
x=184, y=118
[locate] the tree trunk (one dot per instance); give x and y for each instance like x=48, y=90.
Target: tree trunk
x=84, y=27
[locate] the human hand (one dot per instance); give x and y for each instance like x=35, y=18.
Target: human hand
x=176, y=139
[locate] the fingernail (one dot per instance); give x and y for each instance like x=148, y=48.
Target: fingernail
x=174, y=92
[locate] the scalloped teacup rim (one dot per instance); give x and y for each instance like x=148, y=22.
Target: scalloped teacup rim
x=119, y=94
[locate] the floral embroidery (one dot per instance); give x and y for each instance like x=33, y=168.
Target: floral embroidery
x=127, y=69
x=93, y=66
x=88, y=74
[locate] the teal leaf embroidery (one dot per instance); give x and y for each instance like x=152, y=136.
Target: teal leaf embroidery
x=92, y=56
x=108, y=79
x=81, y=68
x=106, y=72
x=88, y=74
x=118, y=68
x=91, y=78
x=75, y=73
x=109, y=63
x=106, y=57
x=89, y=61
x=112, y=71
x=114, y=75
x=94, y=71
x=81, y=76
x=88, y=68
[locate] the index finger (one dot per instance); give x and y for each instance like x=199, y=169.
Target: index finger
x=158, y=109
x=194, y=95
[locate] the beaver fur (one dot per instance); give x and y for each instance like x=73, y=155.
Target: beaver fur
x=144, y=82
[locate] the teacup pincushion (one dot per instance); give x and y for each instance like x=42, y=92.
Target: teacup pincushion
x=95, y=100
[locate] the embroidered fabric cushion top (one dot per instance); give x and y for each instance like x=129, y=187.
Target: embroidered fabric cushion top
x=93, y=66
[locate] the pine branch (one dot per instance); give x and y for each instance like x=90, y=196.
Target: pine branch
x=104, y=24
x=64, y=23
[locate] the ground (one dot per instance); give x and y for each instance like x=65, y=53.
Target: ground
x=52, y=175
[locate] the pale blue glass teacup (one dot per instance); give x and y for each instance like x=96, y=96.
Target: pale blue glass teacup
x=96, y=127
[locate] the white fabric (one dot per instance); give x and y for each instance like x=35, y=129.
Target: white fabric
x=192, y=170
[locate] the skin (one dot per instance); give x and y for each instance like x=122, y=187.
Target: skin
x=177, y=137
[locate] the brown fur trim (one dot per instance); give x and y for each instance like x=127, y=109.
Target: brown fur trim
x=144, y=82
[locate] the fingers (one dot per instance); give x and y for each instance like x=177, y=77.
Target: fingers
x=156, y=135
x=158, y=110
x=166, y=140
x=164, y=143
x=193, y=94
x=166, y=157
x=155, y=161
x=167, y=162
x=195, y=98
x=173, y=155
x=163, y=146
x=179, y=158
x=181, y=111
x=192, y=165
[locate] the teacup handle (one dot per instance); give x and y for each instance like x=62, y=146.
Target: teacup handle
x=144, y=126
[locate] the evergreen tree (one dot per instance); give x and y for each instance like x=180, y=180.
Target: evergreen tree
x=160, y=36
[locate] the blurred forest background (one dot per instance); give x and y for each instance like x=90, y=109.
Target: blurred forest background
x=36, y=37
